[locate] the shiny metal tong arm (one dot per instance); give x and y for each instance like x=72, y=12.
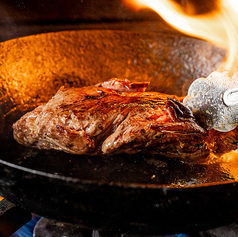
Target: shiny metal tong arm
x=214, y=100
x=230, y=97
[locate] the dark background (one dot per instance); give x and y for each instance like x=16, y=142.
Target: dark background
x=25, y=17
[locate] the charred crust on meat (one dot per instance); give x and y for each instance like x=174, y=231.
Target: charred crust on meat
x=178, y=111
x=87, y=97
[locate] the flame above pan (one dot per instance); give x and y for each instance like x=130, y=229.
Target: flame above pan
x=218, y=26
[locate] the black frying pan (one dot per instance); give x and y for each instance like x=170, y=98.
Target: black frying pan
x=147, y=194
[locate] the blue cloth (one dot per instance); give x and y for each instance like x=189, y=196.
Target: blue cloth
x=27, y=229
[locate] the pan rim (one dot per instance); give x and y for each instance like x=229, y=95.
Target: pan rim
x=113, y=183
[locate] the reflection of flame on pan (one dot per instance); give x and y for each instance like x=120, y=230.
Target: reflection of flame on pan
x=218, y=26
x=230, y=164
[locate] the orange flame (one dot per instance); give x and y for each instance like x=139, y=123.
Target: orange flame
x=219, y=27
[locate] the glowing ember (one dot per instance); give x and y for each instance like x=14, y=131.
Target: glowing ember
x=219, y=26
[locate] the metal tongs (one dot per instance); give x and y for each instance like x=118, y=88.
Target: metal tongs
x=214, y=100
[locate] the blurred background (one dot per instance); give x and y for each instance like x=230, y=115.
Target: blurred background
x=25, y=17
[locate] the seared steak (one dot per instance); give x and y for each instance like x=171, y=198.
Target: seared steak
x=116, y=116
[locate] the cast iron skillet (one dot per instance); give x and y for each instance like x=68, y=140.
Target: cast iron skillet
x=145, y=194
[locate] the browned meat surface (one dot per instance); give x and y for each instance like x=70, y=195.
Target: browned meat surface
x=116, y=116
